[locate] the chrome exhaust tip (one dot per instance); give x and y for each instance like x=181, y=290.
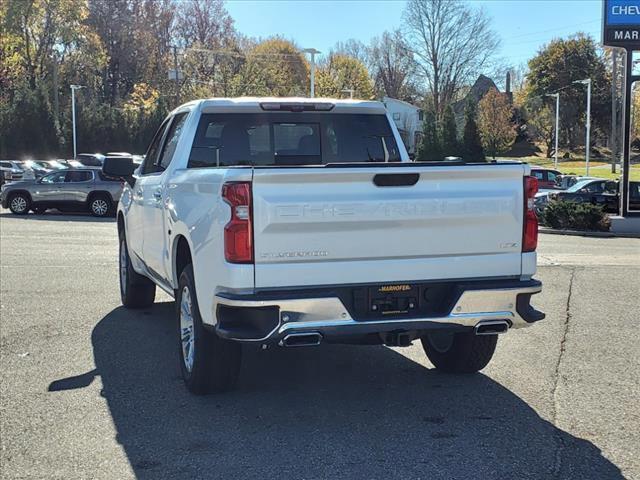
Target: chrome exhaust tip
x=492, y=327
x=306, y=339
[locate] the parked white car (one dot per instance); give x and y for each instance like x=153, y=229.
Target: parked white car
x=293, y=222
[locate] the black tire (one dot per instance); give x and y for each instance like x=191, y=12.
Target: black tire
x=459, y=352
x=100, y=205
x=215, y=362
x=19, y=203
x=136, y=291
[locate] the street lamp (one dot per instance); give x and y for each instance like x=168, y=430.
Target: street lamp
x=587, y=82
x=557, y=95
x=73, y=113
x=313, y=52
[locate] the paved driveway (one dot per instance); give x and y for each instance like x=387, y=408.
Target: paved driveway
x=90, y=390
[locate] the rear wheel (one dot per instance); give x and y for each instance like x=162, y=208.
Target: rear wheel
x=459, y=352
x=136, y=291
x=19, y=203
x=100, y=205
x=208, y=363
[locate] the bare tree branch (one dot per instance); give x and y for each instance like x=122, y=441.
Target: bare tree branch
x=451, y=44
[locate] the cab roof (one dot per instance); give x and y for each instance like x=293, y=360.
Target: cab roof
x=257, y=104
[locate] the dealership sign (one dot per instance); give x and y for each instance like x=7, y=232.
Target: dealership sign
x=621, y=23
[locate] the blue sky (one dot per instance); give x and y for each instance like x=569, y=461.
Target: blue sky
x=523, y=25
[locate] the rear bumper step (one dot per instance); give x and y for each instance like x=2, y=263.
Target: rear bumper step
x=486, y=307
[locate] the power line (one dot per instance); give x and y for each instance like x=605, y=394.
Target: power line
x=554, y=29
x=231, y=53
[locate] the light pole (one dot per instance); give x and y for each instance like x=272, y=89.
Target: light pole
x=313, y=52
x=73, y=113
x=587, y=82
x=557, y=95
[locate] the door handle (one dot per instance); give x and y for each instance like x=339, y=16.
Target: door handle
x=157, y=195
x=396, y=179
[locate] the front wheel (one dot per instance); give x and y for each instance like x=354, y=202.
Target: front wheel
x=136, y=291
x=208, y=363
x=19, y=204
x=461, y=352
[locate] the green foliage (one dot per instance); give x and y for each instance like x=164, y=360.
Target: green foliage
x=494, y=123
x=449, y=134
x=121, y=52
x=541, y=127
x=273, y=67
x=472, y=150
x=575, y=216
x=556, y=67
x=342, y=72
x=429, y=148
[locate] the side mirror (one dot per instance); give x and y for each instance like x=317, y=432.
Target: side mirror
x=120, y=167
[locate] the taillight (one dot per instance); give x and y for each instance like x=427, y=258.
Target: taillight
x=530, y=228
x=238, y=237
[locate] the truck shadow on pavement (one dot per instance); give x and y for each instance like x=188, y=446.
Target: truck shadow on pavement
x=327, y=412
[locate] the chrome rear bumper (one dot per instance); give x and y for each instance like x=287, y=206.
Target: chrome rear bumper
x=329, y=317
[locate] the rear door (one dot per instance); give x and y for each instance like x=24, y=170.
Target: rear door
x=155, y=234
x=144, y=182
x=342, y=225
x=77, y=185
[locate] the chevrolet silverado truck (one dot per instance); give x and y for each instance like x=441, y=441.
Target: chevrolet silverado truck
x=295, y=222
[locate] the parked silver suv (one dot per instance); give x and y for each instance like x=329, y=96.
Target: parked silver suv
x=82, y=189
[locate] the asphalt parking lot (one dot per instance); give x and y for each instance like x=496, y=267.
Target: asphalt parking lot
x=90, y=390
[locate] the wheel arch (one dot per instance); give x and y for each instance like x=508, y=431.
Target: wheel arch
x=13, y=193
x=181, y=256
x=101, y=193
x=121, y=228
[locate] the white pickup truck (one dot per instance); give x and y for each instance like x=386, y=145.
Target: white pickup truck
x=293, y=222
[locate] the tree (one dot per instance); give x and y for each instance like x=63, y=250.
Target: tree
x=541, y=127
x=273, y=67
x=429, y=147
x=556, y=67
x=212, y=52
x=472, y=150
x=392, y=65
x=341, y=72
x=352, y=48
x=494, y=122
x=449, y=133
x=451, y=44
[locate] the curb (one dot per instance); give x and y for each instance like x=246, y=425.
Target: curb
x=578, y=233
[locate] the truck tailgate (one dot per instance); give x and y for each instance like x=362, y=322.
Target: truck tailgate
x=334, y=225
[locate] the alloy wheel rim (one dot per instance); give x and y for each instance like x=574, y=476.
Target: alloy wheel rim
x=187, y=333
x=99, y=207
x=19, y=204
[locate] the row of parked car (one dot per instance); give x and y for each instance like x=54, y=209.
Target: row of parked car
x=77, y=185
x=555, y=186
x=13, y=170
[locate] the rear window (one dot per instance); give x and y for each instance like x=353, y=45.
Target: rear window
x=78, y=176
x=107, y=178
x=289, y=139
